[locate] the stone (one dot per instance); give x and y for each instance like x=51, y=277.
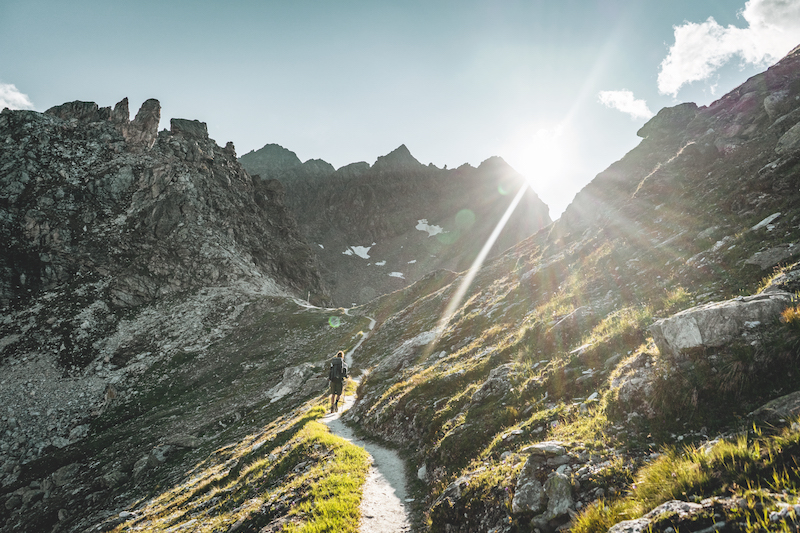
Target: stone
x=422, y=473
x=140, y=466
x=774, y=103
x=114, y=478
x=717, y=323
x=65, y=474
x=789, y=141
x=677, y=508
x=79, y=432
x=294, y=377
x=551, y=448
x=638, y=525
x=787, y=406
x=559, y=496
x=529, y=495
x=767, y=259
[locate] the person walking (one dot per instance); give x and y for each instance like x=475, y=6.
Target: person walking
x=336, y=375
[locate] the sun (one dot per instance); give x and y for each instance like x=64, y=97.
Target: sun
x=538, y=153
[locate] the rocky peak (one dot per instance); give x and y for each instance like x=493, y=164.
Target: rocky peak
x=399, y=159
x=190, y=129
x=270, y=161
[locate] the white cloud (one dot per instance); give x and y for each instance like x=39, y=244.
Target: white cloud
x=625, y=101
x=12, y=98
x=773, y=30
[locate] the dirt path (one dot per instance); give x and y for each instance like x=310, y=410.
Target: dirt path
x=383, y=507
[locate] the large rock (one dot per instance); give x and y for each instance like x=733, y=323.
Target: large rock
x=790, y=141
x=769, y=258
x=717, y=323
x=780, y=408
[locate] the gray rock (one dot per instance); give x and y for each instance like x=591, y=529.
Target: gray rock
x=630, y=526
x=550, y=448
x=789, y=141
x=529, y=495
x=422, y=473
x=677, y=508
x=65, y=474
x=716, y=323
x=294, y=377
x=769, y=258
x=114, y=478
x=559, y=496
x=79, y=432
x=774, y=103
x=140, y=466
x=780, y=408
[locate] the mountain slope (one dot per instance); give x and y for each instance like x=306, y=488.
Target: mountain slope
x=376, y=229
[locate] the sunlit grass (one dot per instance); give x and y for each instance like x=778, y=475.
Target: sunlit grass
x=295, y=472
x=745, y=466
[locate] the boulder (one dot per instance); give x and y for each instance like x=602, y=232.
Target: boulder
x=294, y=377
x=559, y=496
x=789, y=141
x=780, y=408
x=769, y=258
x=529, y=494
x=717, y=323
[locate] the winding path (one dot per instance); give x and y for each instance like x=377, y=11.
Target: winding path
x=383, y=507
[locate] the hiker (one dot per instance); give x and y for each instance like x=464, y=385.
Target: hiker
x=336, y=375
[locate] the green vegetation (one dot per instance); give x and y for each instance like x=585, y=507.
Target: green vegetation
x=293, y=472
x=753, y=466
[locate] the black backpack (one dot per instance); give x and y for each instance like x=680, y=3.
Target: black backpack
x=338, y=369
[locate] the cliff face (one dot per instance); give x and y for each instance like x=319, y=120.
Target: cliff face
x=378, y=228
x=122, y=246
x=87, y=192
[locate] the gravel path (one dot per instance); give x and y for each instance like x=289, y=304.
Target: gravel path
x=383, y=507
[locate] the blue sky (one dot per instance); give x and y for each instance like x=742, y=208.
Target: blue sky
x=536, y=82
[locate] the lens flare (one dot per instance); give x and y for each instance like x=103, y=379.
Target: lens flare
x=458, y=296
x=334, y=321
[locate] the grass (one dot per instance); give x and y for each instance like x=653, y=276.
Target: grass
x=293, y=472
x=746, y=466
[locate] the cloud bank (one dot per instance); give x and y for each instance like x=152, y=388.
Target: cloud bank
x=12, y=98
x=773, y=30
x=625, y=101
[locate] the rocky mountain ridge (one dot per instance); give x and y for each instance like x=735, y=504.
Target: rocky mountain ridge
x=631, y=366
x=375, y=229
x=106, y=222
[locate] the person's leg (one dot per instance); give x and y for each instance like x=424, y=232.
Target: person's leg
x=333, y=403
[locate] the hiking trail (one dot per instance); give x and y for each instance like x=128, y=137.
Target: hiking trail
x=384, y=496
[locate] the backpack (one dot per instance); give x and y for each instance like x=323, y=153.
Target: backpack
x=338, y=369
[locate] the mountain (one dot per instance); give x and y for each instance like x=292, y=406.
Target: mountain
x=630, y=367
x=376, y=229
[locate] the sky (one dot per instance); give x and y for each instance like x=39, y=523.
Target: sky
x=556, y=88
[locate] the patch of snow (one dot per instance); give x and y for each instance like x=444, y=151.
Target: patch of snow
x=380, y=263
x=321, y=246
x=423, y=225
x=397, y=275
x=360, y=251
x=412, y=261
